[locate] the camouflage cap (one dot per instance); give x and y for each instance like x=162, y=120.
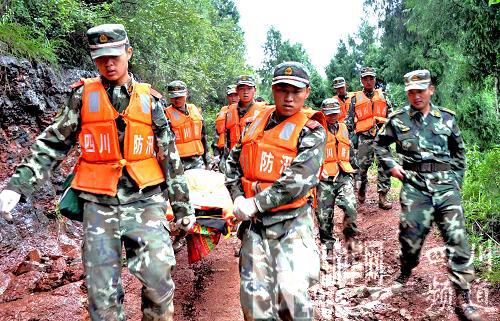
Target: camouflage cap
x=177, y=88
x=246, y=80
x=231, y=89
x=107, y=40
x=368, y=71
x=330, y=106
x=338, y=82
x=292, y=73
x=417, y=79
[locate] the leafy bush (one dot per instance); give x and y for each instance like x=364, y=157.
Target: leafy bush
x=197, y=41
x=58, y=25
x=16, y=40
x=481, y=201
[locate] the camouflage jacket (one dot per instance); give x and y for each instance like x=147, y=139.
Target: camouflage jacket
x=349, y=119
x=58, y=138
x=296, y=180
x=435, y=138
x=197, y=161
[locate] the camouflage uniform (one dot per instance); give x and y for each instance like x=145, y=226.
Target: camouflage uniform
x=279, y=259
x=134, y=217
x=433, y=156
x=365, y=150
x=336, y=190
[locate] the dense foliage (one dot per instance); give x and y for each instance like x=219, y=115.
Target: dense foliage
x=481, y=201
x=460, y=49
x=172, y=39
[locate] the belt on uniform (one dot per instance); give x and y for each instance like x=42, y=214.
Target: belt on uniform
x=426, y=167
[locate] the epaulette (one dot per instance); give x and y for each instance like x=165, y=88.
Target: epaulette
x=447, y=110
x=312, y=124
x=76, y=84
x=155, y=93
x=396, y=112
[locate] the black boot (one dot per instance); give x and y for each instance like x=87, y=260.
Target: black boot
x=463, y=306
x=403, y=277
x=362, y=192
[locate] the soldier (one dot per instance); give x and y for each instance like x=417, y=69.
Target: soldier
x=343, y=97
x=188, y=126
x=433, y=156
x=337, y=182
x=240, y=114
x=220, y=127
x=116, y=121
x=270, y=174
x=368, y=110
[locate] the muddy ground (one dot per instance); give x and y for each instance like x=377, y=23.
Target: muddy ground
x=41, y=275
x=47, y=285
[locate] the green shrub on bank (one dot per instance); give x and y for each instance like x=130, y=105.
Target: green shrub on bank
x=17, y=40
x=481, y=201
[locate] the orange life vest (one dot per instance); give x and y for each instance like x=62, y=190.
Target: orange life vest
x=337, y=152
x=369, y=111
x=344, y=106
x=266, y=154
x=187, y=130
x=220, y=126
x=101, y=162
x=235, y=125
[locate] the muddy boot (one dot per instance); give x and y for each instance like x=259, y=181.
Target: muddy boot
x=178, y=243
x=401, y=280
x=329, y=252
x=353, y=245
x=362, y=192
x=330, y=256
x=383, y=203
x=463, y=306
x=357, y=185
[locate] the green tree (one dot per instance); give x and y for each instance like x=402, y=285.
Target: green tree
x=277, y=51
x=460, y=49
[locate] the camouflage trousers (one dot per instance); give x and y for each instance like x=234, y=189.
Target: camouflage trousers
x=192, y=162
x=278, y=264
x=340, y=192
x=365, y=155
x=142, y=228
x=419, y=209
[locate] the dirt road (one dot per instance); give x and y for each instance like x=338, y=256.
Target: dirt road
x=355, y=288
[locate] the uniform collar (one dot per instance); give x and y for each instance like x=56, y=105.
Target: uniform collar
x=129, y=85
x=333, y=127
x=434, y=111
x=369, y=94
